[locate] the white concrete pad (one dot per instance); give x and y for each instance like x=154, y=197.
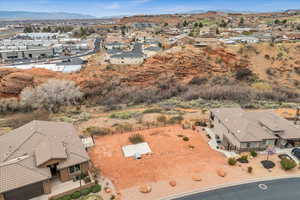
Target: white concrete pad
x=136, y=149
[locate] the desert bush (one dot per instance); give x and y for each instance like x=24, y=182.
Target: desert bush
x=175, y=120
x=235, y=92
x=136, y=138
x=123, y=127
x=202, y=123
x=52, y=95
x=185, y=138
x=297, y=70
x=270, y=71
x=243, y=74
x=232, y=161
x=287, y=164
x=124, y=115
x=198, y=80
x=94, y=130
x=267, y=57
x=162, y=119
x=249, y=169
x=96, y=188
x=153, y=110
x=9, y=105
x=219, y=80
x=253, y=154
x=76, y=195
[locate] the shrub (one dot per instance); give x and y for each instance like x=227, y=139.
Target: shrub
x=93, y=130
x=76, y=195
x=67, y=197
x=267, y=57
x=243, y=74
x=232, y=161
x=270, y=71
x=124, y=115
x=243, y=159
x=96, y=188
x=162, y=119
x=201, y=123
x=185, y=138
x=253, y=154
x=52, y=95
x=198, y=80
x=112, y=197
x=124, y=127
x=153, y=110
x=87, y=179
x=136, y=138
x=297, y=70
x=86, y=191
x=175, y=120
x=249, y=169
x=287, y=164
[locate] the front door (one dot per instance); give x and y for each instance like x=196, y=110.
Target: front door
x=53, y=170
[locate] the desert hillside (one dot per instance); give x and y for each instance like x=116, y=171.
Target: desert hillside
x=275, y=65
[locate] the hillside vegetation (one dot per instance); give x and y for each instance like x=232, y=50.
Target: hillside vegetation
x=240, y=73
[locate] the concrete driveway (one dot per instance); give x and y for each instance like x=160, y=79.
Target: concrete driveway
x=282, y=189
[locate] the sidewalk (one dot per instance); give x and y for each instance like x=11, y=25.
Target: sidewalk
x=213, y=144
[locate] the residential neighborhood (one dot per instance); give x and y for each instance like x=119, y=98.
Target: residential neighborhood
x=149, y=100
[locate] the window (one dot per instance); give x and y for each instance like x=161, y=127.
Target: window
x=74, y=169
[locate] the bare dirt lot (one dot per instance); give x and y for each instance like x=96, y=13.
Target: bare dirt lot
x=172, y=157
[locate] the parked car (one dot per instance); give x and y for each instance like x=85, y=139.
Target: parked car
x=296, y=153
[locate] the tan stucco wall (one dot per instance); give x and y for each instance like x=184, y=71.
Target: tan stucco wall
x=1, y=197
x=47, y=187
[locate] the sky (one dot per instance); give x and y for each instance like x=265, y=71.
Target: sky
x=100, y=8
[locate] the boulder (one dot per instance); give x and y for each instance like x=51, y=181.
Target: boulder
x=172, y=183
x=107, y=190
x=196, y=178
x=221, y=173
x=145, y=189
x=14, y=83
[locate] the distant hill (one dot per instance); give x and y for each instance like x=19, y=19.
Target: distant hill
x=13, y=15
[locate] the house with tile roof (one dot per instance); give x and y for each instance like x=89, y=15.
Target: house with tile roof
x=34, y=155
x=241, y=131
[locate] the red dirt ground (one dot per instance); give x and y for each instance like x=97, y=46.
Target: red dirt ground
x=171, y=158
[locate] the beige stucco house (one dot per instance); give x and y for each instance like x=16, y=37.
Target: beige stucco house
x=240, y=131
x=37, y=153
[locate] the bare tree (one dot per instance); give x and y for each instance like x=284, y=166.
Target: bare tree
x=52, y=95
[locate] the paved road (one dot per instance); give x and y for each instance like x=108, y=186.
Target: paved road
x=284, y=189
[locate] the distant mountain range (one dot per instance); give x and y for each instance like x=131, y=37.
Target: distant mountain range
x=19, y=15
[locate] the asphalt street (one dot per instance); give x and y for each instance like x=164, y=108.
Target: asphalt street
x=283, y=189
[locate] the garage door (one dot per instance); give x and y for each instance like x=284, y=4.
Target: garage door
x=25, y=193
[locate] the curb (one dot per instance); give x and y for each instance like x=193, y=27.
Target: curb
x=206, y=189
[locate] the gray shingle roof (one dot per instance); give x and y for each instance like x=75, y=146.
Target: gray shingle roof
x=25, y=148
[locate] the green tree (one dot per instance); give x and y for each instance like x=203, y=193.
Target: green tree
x=242, y=21
x=185, y=23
